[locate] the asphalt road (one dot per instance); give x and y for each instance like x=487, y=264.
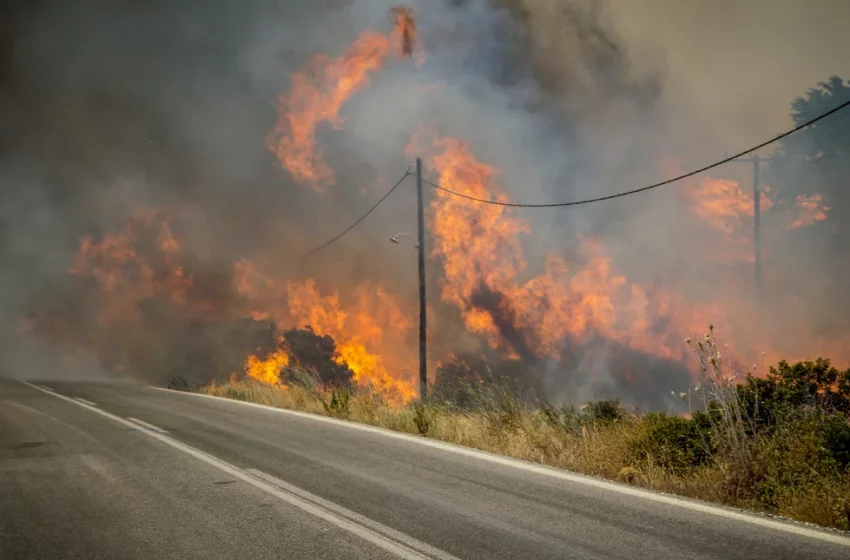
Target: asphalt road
x=119, y=471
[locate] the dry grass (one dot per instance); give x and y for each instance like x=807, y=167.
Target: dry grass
x=605, y=449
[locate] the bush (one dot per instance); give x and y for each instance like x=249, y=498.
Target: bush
x=604, y=412
x=789, y=388
x=565, y=418
x=678, y=445
x=178, y=384
x=836, y=441
x=500, y=406
x=340, y=404
x=424, y=418
x=317, y=354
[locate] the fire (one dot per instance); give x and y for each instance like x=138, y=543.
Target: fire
x=267, y=370
x=478, y=244
x=810, y=209
x=726, y=207
x=376, y=357
x=481, y=253
x=318, y=93
x=522, y=311
x=125, y=275
x=723, y=204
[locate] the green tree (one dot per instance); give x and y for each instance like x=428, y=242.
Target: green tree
x=815, y=260
x=815, y=160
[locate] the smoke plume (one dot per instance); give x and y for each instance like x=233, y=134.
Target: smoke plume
x=152, y=222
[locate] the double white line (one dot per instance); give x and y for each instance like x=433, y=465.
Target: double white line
x=390, y=540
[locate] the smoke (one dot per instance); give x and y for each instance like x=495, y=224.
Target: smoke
x=111, y=106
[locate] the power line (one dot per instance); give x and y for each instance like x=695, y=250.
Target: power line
x=648, y=187
x=360, y=219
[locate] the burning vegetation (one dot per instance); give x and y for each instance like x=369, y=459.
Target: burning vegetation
x=570, y=314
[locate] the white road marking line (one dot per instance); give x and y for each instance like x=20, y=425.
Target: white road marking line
x=700, y=507
x=407, y=540
x=44, y=388
x=84, y=401
x=144, y=424
x=362, y=531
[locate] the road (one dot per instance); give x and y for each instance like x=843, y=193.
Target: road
x=120, y=471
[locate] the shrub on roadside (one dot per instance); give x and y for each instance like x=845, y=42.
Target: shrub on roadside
x=339, y=404
x=677, y=445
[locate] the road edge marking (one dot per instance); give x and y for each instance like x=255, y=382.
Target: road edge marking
x=364, y=532
x=84, y=401
x=389, y=532
x=147, y=425
x=786, y=526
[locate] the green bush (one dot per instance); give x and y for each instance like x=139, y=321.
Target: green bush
x=340, y=404
x=603, y=412
x=424, y=418
x=836, y=441
x=678, y=445
x=787, y=389
x=594, y=413
x=565, y=418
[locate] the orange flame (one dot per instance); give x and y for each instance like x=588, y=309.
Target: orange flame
x=723, y=204
x=810, y=209
x=267, y=370
x=479, y=247
x=477, y=243
x=376, y=357
x=318, y=93
x=126, y=277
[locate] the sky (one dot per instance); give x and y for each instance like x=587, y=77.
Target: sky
x=739, y=63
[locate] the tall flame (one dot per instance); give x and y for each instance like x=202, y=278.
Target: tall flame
x=482, y=257
x=477, y=243
x=318, y=93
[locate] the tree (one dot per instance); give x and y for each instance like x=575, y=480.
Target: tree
x=815, y=160
x=317, y=353
x=814, y=261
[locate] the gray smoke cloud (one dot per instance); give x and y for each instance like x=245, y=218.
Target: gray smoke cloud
x=109, y=106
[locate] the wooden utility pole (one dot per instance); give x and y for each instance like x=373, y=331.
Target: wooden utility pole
x=757, y=224
x=756, y=161
x=423, y=355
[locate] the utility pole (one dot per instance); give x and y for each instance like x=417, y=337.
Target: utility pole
x=757, y=225
x=423, y=355
x=756, y=161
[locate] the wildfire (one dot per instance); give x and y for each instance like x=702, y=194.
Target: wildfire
x=810, y=209
x=477, y=244
x=726, y=207
x=318, y=93
x=267, y=370
x=362, y=341
x=482, y=257
x=127, y=277
x=522, y=311
x=723, y=204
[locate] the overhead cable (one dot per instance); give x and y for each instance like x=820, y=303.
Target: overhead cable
x=648, y=187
